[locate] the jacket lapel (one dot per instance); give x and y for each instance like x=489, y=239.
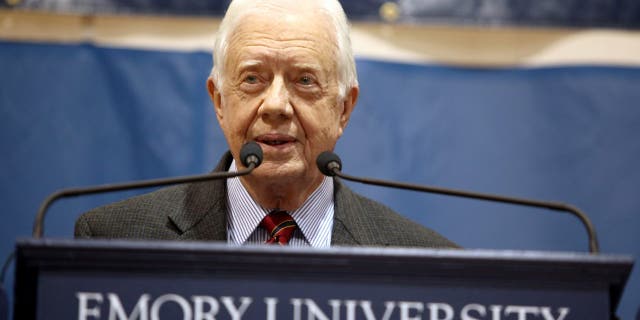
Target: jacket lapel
x=203, y=213
x=350, y=225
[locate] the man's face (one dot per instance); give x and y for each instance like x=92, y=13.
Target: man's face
x=280, y=89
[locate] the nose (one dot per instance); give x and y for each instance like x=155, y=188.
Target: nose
x=276, y=104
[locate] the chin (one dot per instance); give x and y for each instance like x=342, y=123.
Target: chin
x=278, y=171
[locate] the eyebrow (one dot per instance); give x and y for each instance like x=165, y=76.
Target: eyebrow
x=308, y=66
x=305, y=66
x=249, y=64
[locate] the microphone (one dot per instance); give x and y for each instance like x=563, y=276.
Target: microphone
x=250, y=156
x=330, y=165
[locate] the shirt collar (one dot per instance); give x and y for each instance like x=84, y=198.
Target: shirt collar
x=245, y=214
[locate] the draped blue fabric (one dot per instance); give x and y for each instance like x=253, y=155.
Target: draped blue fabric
x=75, y=115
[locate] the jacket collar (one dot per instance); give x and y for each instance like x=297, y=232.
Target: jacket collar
x=347, y=224
x=203, y=215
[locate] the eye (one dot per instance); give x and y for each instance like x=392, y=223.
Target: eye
x=251, y=79
x=306, y=80
x=251, y=82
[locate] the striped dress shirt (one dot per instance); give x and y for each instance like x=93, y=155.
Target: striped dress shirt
x=314, y=217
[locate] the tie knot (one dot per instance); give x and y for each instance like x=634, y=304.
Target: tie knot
x=279, y=225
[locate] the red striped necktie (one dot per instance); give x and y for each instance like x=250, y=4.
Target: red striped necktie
x=280, y=226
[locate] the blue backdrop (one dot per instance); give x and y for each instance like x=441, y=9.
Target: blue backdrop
x=75, y=115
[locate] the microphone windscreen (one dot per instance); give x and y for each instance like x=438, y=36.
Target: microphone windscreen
x=328, y=160
x=248, y=150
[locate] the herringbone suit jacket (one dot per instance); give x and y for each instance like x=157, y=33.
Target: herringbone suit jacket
x=198, y=211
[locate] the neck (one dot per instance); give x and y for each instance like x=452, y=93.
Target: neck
x=283, y=194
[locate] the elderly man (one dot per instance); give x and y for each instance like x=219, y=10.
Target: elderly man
x=284, y=76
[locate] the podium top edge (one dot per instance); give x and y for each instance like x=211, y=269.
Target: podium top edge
x=212, y=246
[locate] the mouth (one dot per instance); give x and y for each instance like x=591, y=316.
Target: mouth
x=275, y=140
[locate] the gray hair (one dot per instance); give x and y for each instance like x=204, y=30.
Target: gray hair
x=347, y=77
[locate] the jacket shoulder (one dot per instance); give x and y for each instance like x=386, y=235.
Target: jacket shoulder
x=141, y=217
x=373, y=223
x=165, y=214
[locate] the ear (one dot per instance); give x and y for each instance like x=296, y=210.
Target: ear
x=214, y=94
x=348, y=104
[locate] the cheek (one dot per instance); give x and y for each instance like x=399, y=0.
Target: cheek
x=321, y=127
x=236, y=118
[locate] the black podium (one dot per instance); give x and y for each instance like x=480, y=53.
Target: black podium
x=92, y=279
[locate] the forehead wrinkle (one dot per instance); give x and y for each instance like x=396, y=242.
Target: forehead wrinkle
x=292, y=51
x=258, y=45
x=283, y=40
x=253, y=55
